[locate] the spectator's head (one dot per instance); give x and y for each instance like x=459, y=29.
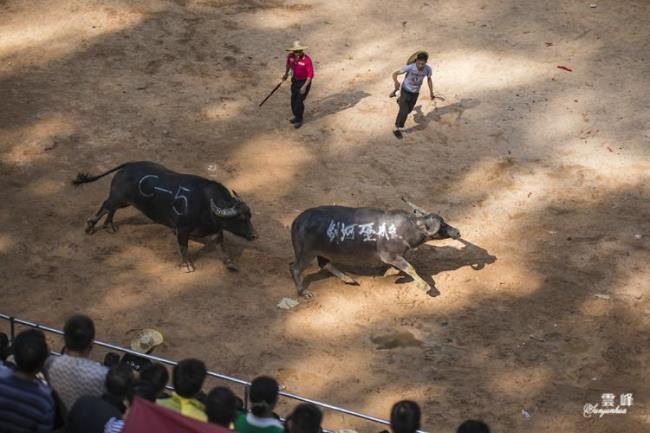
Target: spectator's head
x=473, y=426
x=263, y=395
x=305, y=418
x=155, y=374
x=221, y=406
x=188, y=377
x=30, y=351
x=119, y=380
x=405, y=417
x=4, y=346
x=111, y=359
x=143, y=390
x=79, y=333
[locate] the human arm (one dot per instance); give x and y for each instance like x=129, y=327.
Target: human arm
x=303, y=89
x=395, y=80
x=430, y=83
x=310, y=75
x=287, y=68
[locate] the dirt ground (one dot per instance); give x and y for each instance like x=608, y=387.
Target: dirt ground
x=544, y=171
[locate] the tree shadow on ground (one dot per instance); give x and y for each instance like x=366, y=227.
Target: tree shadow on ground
x=334, y=103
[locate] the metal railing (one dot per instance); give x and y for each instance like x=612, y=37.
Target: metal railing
x=13, y=321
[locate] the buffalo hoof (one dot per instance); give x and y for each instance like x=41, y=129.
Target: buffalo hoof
x=90, y=228
x=231, y=266
x=433, y=292
x=112, y=228
x=350, y=280
x=307, y=294
x=189, y=267
x=424, y=287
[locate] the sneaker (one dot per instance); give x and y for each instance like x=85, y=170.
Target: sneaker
x=292, y=120
x=397, y=133
x=297, y=124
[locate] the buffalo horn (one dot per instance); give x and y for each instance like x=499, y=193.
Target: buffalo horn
x=415, y=208
x=229, y=212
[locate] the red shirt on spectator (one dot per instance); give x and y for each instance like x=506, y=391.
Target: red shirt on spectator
x=301, y=67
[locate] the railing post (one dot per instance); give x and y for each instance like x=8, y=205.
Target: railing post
x=12, y=325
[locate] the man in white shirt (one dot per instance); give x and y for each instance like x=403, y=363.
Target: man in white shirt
x=410, y=87
x=73, y=374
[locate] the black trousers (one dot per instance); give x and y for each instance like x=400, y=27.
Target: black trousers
x=406, y=102
x=298, y=100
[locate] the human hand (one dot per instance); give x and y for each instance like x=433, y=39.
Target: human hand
x=284, y=77
x=303, y=90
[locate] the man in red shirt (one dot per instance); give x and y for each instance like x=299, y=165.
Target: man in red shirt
x=302, y=73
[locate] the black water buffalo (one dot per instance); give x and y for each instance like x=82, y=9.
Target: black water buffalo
x=363, y=235
x=194, y=206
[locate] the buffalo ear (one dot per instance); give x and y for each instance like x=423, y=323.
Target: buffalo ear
x=429, y=225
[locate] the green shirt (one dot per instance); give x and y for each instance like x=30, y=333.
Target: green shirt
x=189, y=407
x=249, y=423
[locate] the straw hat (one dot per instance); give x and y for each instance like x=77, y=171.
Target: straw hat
x=144, y=340
x=296, y=46
x=414, y=56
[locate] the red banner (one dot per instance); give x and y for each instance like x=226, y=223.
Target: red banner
x=147, y=417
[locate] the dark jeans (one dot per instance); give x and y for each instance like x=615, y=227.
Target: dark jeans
x=407, y=102
x=297, y=100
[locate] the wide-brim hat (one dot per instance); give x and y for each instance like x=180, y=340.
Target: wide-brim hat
x=415, y=55
x=296, y=46
x=144, y=340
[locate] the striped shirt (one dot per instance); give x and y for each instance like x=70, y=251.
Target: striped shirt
x=73, y=377
x=25, y=405
x=114, y=425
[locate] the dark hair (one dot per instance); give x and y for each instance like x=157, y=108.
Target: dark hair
x=473, y=426
x=143, y=390
x=5, y=350
x=263, y=394
x=78, y=333
x=119, y=380
x=405, y=417
x=305, y=418
x=422, y=56
x=30, y=351
x=155, y=374
x=188, y=377
x=221, y=406
x=111, y=359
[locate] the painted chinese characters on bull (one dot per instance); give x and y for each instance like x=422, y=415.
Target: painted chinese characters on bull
x=337, y=231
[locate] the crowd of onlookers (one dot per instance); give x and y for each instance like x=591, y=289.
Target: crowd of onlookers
x=71, y=393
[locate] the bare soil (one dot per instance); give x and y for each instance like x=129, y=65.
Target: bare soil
x=544, y=171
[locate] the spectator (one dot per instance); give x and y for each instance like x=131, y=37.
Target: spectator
x=188, y=377
x=26, y=404
x=142, y=390
x=473, y=426
x=90, y=413
x=111, y=359
x=221, y=407
x=305, y=418
x=405, y=417
x=264, y=396
x=73, y=375
x=5, y=350
x=156, y=374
